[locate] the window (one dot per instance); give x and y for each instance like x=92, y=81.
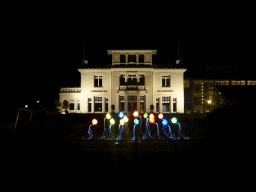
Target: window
x=142, y=103
x=89, y=105
x=141, y=58
x=122, y=79
x=233, y=82
x=142, y=79
x=186, y=83
x=71, y=104
x=98, y=104
x=97, y=81
x=165, y=81
x=238, y=82
x=132, y=80
x=106, y=104
x=242, y=82
x=78, y=104
x=166, y=104
x=122, y=102
x=197, y=86
x=249, y=82
x=174, y=104
x=122, y=58
x=157, y=104
x=226, y=82
x=132, y=58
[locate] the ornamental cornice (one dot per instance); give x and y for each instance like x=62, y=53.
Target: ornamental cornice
x=93, y=70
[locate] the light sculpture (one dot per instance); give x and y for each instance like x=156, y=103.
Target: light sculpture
x=135, y=113
x=94, y=121
x=121, y=114
x=174, y=120
x=136, y=121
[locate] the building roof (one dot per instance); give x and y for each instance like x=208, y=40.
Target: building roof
x=132, y=51
x=154, y=65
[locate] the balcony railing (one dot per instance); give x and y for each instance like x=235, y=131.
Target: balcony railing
x=132, y=87
x=70, y=90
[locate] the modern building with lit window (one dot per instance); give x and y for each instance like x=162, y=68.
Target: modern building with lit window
x=131, y=82
x=216, y=86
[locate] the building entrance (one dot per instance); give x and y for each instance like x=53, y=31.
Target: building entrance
x=132, y=103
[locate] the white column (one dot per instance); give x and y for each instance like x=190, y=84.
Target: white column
x=93, y=104
x=160, y=104
x=126, y=58
x=125, y=103
x=103, y=105
x=137, y=59
x=138, y=101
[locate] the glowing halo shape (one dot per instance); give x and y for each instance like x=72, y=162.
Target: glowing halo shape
x=135, y=113
x=108, y=116
x=94, y=121
x=136, y=121
x=151, y=115
x=112, y=121
x=121, y=114
x=125, y=119
x=121, y=122
x=151, y=120
x=165, y=122
x=160, y=116
x=145, y=115
x=174, y=120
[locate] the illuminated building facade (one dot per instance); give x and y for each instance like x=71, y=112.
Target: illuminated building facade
x=131, y=82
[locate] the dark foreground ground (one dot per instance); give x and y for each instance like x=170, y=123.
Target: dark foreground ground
x=222, y=135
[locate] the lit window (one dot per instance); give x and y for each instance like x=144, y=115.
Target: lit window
x=166, y=104
x=98, y=104
x=242, y=82
x=174, y=104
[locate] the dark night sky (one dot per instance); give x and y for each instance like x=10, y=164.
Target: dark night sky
x=45, y=60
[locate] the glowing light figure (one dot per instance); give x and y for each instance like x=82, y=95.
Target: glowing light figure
x=151, y=115
x=112, y=121
x=125, y=119
x=164, y=122
x=121, y=114
x=121, y=122
x=160, y=116
x=136, y=121
x=151, y=120
x=145, y=115
x=135, y=113
x=174, y=120
x=94, y=121
x=108, y=116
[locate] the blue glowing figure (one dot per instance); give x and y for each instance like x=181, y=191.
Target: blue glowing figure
x=121, y=114
x=164, y=122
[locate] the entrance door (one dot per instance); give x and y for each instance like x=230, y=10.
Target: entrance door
x=132, y=103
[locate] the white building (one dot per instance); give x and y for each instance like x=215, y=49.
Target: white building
x=130, y=82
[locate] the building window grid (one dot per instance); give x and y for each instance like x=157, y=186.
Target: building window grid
x=166, y=104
